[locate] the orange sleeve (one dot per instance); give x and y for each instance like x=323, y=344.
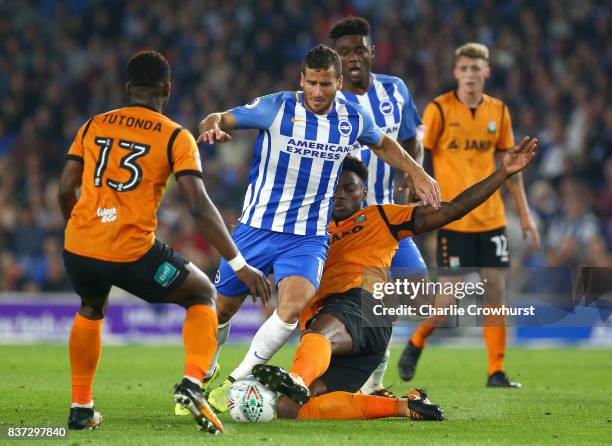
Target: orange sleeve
x=433, y=120
x=76, y=151
x=398, y=218
x=185, y=155
x=506, y=136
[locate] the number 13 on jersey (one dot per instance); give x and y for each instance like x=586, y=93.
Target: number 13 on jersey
x=128, y=162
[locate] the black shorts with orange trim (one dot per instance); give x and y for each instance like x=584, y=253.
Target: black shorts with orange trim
x=370, y=333
x=151, y=278
x=459, y=250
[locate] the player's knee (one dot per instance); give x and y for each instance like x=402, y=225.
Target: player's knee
x=93, y=308
x=224, y=316
x=207, y=295
x=286, y=408
x=226, y=309
x=495, y=286
x=290, y=307
x=318, y=387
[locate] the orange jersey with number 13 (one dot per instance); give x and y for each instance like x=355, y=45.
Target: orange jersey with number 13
x=128, y=155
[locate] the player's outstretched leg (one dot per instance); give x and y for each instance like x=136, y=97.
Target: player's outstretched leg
x=420, y=408
x=357, y=406
x=197, y=296
x=85, y=347
x=326, y=336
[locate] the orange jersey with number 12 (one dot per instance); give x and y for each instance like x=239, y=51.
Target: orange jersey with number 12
x=128, y=155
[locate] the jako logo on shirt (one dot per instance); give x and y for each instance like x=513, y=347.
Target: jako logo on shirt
x=345, y=127
x=386, y=107
x=107, y=215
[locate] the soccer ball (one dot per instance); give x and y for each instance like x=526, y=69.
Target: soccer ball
x=250, y=401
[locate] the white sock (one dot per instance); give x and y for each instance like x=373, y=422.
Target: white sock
x=375, y=381
x=89, y=405
x=268, y=340
x=222, y=335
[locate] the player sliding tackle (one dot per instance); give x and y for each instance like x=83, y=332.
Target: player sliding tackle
x=390, y=102
x=343, y=342
x=303, y=138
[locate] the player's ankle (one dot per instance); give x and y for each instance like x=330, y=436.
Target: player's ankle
x=88, y=405
x=192, y=379
x=402, y=408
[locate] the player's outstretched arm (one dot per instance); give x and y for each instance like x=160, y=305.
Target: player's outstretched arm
x=70, y=181
x=425, y=186
x=210, y=223
x=213, y=128
x=426, y=218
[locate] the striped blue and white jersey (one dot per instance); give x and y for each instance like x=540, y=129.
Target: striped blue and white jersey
x=297, y=159
x=390, y=103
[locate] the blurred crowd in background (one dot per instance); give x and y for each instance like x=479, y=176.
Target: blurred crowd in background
x=63, y=61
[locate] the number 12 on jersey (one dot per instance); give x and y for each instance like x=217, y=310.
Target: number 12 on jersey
x=128, y=162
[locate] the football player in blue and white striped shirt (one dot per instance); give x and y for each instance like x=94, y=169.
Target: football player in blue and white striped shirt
x=303, y=139
x=394, y=111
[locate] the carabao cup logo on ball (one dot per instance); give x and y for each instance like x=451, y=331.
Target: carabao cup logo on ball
x=250, y=401
x=386, y=107
x=345, y=127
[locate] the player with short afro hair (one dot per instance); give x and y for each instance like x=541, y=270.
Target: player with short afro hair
x=355, y=165
x=350, y=25
x=148, y=69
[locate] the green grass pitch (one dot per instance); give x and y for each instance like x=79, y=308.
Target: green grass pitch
x=566, y=399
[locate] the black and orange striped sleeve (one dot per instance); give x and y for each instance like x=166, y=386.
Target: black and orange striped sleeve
x=183, y=154
x=76, y=152
x=506, y=135
x=433, y=120
x=398, y=219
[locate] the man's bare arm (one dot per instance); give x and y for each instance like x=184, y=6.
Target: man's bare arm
x=70, y=181
x=214, y=127
x=390, y=151
x=206, y=215
x=426, y=218
x=211, y=225
x=517, y=189
x=414, y=148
